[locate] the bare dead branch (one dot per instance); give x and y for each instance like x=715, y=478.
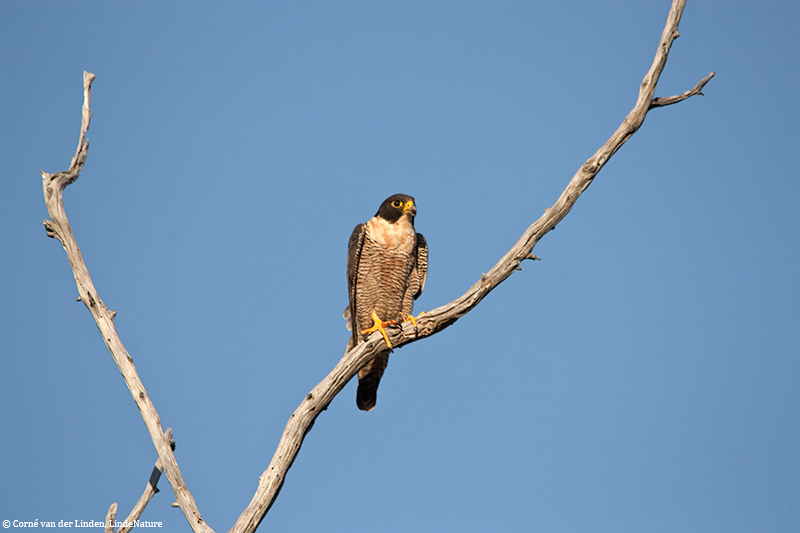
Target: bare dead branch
x=58, y=227
x=669, y=100
x=301, y=421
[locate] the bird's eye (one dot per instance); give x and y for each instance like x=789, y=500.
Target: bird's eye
x=397, y=203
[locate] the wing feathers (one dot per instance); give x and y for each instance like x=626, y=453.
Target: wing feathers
x=353, y=259
x=422, y=263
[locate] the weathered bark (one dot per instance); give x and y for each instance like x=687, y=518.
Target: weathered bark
x=320, y=397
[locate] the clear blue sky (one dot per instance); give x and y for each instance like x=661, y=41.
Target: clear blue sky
x=642, y=377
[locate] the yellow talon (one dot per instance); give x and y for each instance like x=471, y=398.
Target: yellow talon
x=410, y=318
x=378, y=326
x=414, y=320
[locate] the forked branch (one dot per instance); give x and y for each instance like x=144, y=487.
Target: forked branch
x=321, y=396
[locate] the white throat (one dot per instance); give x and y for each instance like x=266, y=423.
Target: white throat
x=401, y=234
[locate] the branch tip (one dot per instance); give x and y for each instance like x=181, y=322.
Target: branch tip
x=111, y=516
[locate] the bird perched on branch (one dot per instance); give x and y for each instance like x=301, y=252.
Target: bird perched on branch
x=387, y=264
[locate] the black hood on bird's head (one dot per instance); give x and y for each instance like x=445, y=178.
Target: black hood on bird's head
x=396, y=206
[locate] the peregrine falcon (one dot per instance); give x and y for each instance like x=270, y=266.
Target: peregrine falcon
x=387, y=263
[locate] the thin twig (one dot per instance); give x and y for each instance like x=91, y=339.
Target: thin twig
x=695, y=91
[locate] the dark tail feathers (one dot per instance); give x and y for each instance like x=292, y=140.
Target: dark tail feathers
x=367, y=395
x=369, y=378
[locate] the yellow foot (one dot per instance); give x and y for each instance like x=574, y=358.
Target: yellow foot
x=378, y=325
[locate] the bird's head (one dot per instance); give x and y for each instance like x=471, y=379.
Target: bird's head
x=397, y=206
